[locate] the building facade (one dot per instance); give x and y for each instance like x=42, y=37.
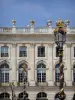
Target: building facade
x=36, y=49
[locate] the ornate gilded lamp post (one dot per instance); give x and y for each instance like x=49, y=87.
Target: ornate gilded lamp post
x=12, y=88
x=24, y=79
x=60, y=38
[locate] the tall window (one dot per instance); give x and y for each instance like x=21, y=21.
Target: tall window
x=74, y=51
x=57, y=73
x=4, y=73
x=41, y=73
x=23, y=51
x=41, y=51
x=41, y=96
x=22, y=75
x=4, y=51
x=74, y=73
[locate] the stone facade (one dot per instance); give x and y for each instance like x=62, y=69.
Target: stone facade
x=32, y=38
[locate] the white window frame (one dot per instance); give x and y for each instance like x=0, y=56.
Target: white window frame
x=9, y=51
x=22, y=58
x=36, y=52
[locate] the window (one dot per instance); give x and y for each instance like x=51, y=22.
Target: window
x=4, y=73
x=74, y=73
x=41, y=96
x=23, y=51
x=41, y=73
x=22, y=95
x=4, y=51
x=22, y=75
x=41, y=51
x=74, y=51
x=57, y=52
x=4, y=95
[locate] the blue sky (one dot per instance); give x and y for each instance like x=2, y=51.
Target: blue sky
x=39, y=10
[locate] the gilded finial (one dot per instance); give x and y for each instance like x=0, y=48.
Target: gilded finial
x=60, y=26
x=60, y=23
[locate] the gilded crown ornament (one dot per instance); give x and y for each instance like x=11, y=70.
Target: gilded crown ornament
x=60, y=26
x=60, y=23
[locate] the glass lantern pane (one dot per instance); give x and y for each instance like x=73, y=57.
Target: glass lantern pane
x=60, y=37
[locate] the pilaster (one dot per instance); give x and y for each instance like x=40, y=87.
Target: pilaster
x=32, y=64
x=14, y=63
x=68, y=64
x=50, y=65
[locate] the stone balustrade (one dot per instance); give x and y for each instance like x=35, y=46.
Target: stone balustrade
x=24, y=30
x=5, y=29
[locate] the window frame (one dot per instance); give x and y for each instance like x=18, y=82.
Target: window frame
x=3, y=73
x=41, y=51
x=24, y=53
x=20, y=74
x=41, y=76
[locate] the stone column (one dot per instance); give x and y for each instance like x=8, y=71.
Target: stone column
x=32, y=64
x=68, y=65
x=50, y=66
x=14, y=63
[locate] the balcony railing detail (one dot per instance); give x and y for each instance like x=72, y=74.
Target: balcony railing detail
x=5, y=29
x=28, y=30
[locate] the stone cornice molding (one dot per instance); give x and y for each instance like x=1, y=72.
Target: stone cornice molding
x=32, y=44
x=68, y=44
x=14, y=44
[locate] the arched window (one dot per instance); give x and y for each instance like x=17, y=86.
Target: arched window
x=41, y=73
x=74, y=96
x=41, y=96
x=22, y=74
x=23, y=95
x=4, y=51
x=41, y=51
x=57, y=73
x=4, y=73
x=4, y=96
x=74, y=73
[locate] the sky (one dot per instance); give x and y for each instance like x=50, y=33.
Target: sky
x=39, y=10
